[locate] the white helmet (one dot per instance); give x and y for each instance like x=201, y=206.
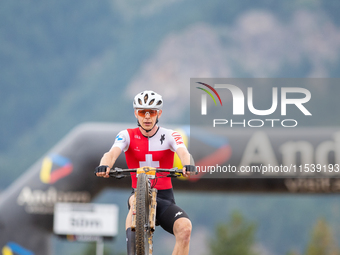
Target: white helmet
x=148, y=99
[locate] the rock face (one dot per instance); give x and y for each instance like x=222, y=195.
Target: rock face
x=257, y=44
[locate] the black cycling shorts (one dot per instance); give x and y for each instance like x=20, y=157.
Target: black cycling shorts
x=167, y=212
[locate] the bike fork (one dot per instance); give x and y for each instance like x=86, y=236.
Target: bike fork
x=152, y=218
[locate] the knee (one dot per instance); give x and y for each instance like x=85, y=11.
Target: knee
x=131, y=202
x=182, y=230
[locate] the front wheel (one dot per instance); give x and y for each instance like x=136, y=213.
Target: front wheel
x=143, y=233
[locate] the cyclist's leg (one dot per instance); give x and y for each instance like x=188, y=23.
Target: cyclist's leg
x=131, y=241
x=130, y=235
x=182, y=231
x=175, y=221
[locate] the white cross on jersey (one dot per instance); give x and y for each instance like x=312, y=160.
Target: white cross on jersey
x=148, y=161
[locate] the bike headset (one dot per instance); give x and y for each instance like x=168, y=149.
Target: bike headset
x=148, y=99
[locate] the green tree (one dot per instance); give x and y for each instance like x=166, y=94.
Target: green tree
x=322, y=241
x=235, y=237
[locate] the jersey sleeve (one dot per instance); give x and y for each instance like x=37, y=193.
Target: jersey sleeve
x=176, y=140
x=122, y=140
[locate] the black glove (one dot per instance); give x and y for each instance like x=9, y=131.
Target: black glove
x=100, y=169
x=190, y=169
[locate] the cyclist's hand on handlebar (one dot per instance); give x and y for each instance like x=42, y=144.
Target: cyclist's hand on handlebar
x=102, y=171
x=189, y=170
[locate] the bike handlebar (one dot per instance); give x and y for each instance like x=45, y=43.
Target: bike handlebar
x=173, y=172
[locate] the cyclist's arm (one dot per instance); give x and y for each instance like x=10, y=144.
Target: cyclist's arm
x=185, y=157
x=108, y=159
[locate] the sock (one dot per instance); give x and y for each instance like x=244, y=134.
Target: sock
x=131, y=241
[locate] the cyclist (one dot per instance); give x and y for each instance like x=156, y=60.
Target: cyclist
x=151, y=145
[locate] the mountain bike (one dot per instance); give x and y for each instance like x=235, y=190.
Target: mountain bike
x=144, y=205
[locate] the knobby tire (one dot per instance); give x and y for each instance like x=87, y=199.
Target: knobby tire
x=142, y=215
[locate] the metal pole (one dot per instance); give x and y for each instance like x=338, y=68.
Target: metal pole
x=100, y=247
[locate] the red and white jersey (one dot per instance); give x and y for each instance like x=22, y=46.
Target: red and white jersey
x=155, y=151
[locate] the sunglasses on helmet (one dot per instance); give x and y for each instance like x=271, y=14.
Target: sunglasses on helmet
x=143, y=112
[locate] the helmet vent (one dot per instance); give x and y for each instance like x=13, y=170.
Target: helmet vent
x=151, y=102
x=159, y=102
x=146, y=98
x=140, y=101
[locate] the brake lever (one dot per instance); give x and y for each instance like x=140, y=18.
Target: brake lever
x=114, y=172
x=172, y=175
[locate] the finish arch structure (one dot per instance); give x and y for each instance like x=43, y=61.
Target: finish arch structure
x=66, y=174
